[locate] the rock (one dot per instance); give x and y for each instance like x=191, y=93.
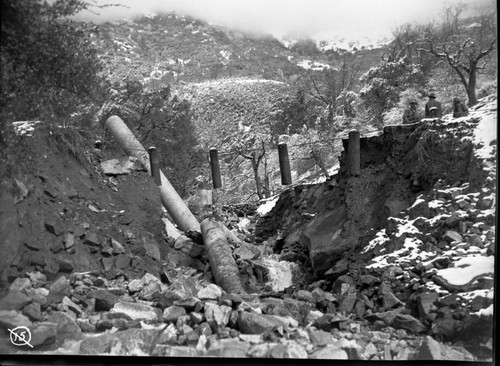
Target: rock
x=38, y=295
x=12, y=319
x=37, y=277
x=72, y=306
x=347, y=303
x=369, y=351
x=322, y=237
x=217, y=316
x=117, y=247
x=368, y=280
x=85, y=325
x=389, y=300
x=289, y=349
x=171, y=230
x=247, y=252
x=425, y=304
x=190, y=304
x=173, y=313
x=320, y=337
x=122, y=261
x=321, y=295
x=305, y=296
x=135, y=286
x=475, y=240
x=97, y=345
x=65, y=265
x=330, y=352
x=151, y=247
x=54, y=225
x=20, y=284
x=343, y=284
x=340, y=268
x=121, y=166
x=210, y=292
x=169, y=297
x=419, y=209
x=196, y=317
x=231, y=348
x=14, y=300
x=408, y=322
x=387, y=316
x=251, y=338
x=328, y=322
x=253, y=323
x=104, y=300
x=261, y=350
x=92, y=239
x=43, y=333
x=451, y=235
x=433, y=350
x=188, y=246
x=234, y=299
x=68, y=240
x=33, y=311
x=135, y=311
x=353, y=349
x=65, y=324
x=150, y=291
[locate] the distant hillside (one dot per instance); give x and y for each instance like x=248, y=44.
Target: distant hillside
x=224, y=107
x=177, y=49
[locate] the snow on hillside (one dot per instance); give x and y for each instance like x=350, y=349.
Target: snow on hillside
x=313, y=65
x=333, y=41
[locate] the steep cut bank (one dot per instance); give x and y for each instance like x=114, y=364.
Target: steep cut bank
x=72, y=207
x=422, y=207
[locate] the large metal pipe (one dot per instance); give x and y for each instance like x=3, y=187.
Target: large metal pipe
x=170, y=199
x=220, y=256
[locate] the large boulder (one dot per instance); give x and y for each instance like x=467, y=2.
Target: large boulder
x=322, y=236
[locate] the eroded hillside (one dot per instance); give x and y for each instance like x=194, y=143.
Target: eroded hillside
x=385, y=265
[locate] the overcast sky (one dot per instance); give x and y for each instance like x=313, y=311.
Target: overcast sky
x=372, y=18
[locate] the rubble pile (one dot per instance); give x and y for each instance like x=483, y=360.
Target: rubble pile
x=184, y=315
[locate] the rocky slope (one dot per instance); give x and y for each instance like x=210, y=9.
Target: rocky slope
x=395, y=264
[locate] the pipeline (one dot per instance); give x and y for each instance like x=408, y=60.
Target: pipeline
x=170, y=199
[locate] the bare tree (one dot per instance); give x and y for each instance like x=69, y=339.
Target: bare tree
x=256, y=157
x=464, y=44
x=326, y=86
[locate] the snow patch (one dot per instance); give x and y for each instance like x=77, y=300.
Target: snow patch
x=466, y=269
x=25, y=127
x=267, y=206
x=485, y=133
x=314, y=65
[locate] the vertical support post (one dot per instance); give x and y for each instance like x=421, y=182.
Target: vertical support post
x=155, y=165
x=286, y=176
x=214, y=163
x=354, y=154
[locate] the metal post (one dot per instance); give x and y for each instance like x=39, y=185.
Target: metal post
x=214, y=163
x=155, y=165
x=354, y=154
x=286, y=176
